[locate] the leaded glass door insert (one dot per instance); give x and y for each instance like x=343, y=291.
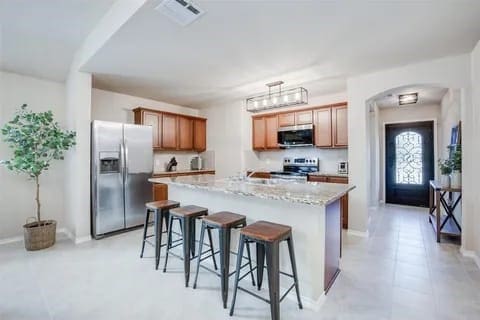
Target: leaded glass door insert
x=409, y=160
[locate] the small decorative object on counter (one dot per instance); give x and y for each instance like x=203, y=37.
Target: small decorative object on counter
x=445, y=170
x=36, y=139
x=456, y=181
x=172, y=165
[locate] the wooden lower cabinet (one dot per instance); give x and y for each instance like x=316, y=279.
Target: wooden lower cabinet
x=160, y=191
x=344, y=199
x=263, y=175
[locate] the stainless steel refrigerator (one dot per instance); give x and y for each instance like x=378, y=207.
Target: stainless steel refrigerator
x=122, y=162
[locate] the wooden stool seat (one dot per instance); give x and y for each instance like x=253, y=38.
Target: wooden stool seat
x=225, y=219
x=266, y=231
x=163, y=204
x=189, y=211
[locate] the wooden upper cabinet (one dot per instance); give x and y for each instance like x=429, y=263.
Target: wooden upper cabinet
x=200, y=135
x=303, y=117
x=258, y=133
x=340, y=126
x=154, y=120
x=169, y=131
x=323, y=127
x=271, y=129
x=286, y=119
x=185, y=133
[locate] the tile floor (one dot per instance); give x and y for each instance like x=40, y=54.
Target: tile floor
x=400, y=272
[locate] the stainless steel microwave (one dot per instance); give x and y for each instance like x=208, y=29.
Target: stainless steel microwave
x=295, y=136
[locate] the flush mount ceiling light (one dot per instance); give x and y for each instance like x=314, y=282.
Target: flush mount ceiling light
x=181, y=11
x=409, y=98
x=277, y=99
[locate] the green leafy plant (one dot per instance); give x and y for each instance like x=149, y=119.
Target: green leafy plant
x=457, y=159
x=36, y=139
x=445, y=166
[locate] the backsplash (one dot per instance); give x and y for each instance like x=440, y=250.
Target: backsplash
x=273, y=160
x=161, y=158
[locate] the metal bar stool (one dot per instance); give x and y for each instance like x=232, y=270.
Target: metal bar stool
x=160, y=209
x=267, y=237
x=187, y=216
x=224, y=222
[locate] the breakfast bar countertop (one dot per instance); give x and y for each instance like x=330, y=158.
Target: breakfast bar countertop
x=310, y=193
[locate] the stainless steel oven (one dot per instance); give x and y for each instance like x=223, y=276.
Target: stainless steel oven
x=295, y=136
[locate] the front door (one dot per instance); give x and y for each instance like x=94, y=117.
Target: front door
x=409, y=162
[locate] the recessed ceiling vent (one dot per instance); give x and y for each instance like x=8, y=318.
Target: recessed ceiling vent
x=181, y=11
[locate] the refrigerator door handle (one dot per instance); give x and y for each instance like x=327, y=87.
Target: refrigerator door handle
x=122, y=162
x=126, y=160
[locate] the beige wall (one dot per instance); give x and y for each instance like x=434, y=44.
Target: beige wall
x=17, y=192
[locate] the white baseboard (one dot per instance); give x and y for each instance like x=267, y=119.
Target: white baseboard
x=10, y=240
x=471, y=254
x=363, y=234
x=307, y=302
x=63, y=231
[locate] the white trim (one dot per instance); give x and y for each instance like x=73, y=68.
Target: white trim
x=471, y=254
x=63, y=231
x=307, y=303
x=10, y=240
x=363, y=234
x=83, y=239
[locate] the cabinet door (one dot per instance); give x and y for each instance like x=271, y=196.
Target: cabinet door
x=169, y=132
x=340, y=126
x=312, y=178
x=343, y=180
x=200, y=135
x=258, y=133
x=271, y=128
x=185, y=133
x=323, y=127
x=160, y=192
x=303, y=117
x=286, y=119
x=152, y=119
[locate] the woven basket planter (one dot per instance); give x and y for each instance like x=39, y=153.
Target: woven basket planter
x=41, y=236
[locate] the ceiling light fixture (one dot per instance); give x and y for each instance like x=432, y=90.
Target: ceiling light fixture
x=409, y=98
x=277, y=99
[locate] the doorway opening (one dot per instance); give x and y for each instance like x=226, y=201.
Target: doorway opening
x=409, y=162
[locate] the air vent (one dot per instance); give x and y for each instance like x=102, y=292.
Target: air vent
x=181, y=11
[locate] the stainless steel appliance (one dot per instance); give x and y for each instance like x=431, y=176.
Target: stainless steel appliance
x=296, y=168
x=343, y=167
x=196, y=163
x=295, y=136
x=121, y=163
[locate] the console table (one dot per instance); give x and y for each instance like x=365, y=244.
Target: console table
x=444, y=222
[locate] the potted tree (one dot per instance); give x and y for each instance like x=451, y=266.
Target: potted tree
x=445, y=171
x=36, y=139
x=457, y=168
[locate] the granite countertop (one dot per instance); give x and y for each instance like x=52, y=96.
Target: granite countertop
x=329, y=174
x=311, y=193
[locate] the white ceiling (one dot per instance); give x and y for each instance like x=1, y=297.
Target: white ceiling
x=40, y=37
x=238, y=46
x=426, y=96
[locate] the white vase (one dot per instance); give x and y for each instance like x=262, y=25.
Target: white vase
x=456, y=179
x=445, y=180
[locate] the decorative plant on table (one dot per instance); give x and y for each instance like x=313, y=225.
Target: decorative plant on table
x=457, y=167
x=445, y=170
x=36, y=140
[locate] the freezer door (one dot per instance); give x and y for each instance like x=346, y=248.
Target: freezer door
x=107, y=178
x=138, y=169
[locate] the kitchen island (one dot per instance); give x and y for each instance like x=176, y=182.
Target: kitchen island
x=312, y=210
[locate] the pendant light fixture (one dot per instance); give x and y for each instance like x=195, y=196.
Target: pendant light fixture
x=277, y=98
